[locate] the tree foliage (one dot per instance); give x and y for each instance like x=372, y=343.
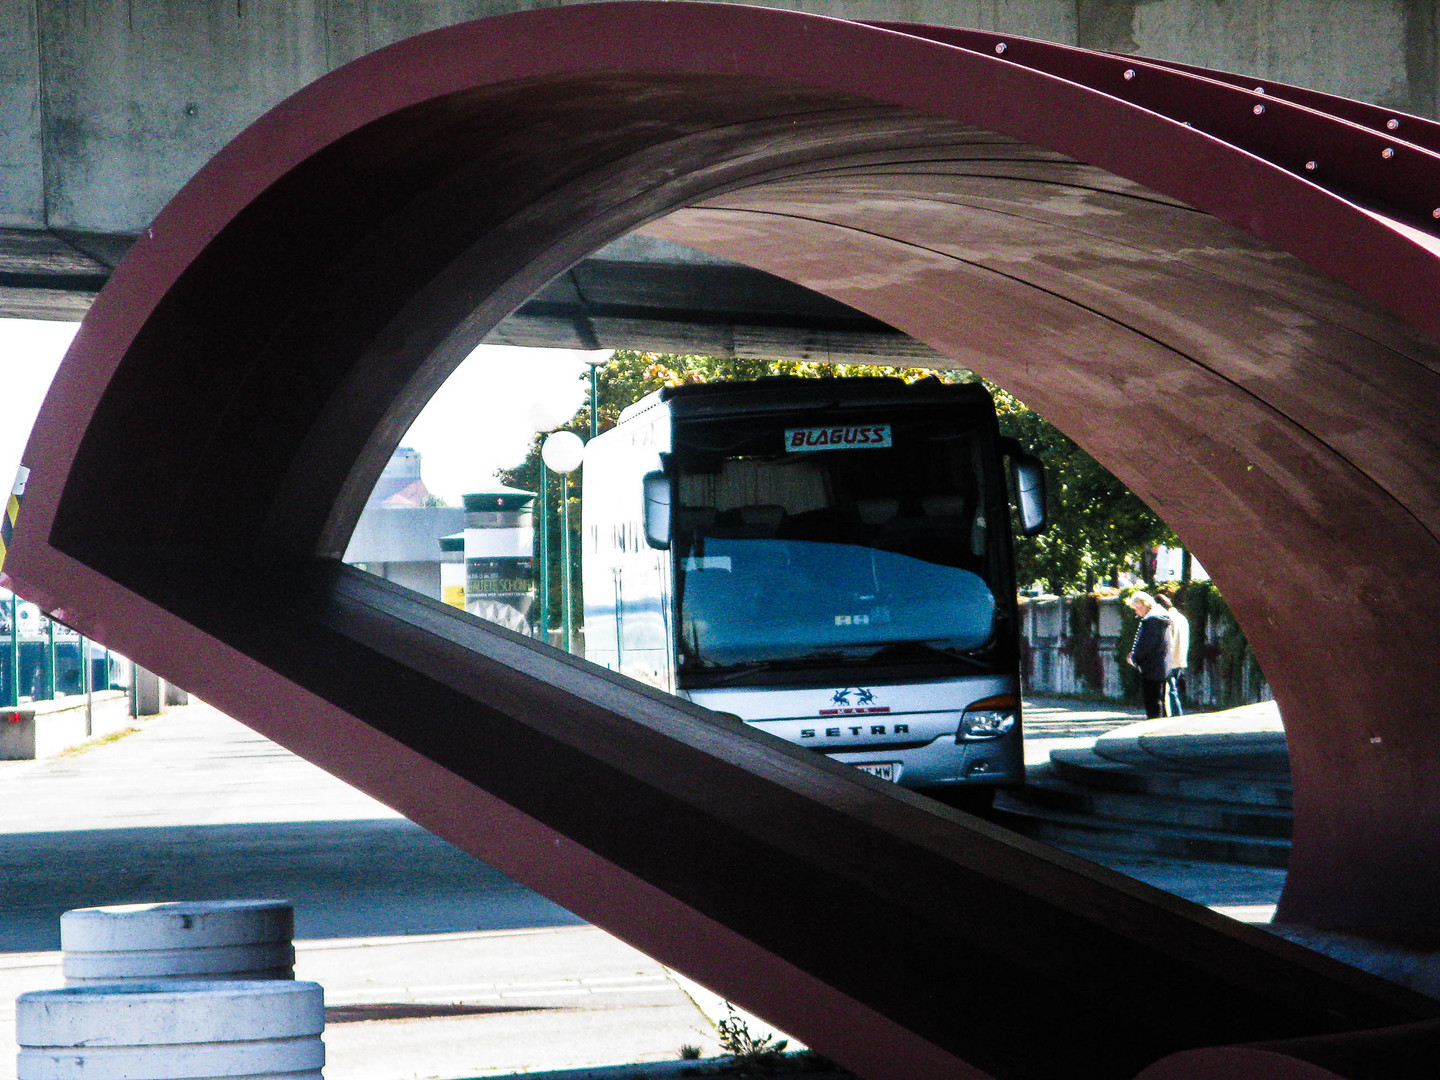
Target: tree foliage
x=1096, y=525
x=628, y=376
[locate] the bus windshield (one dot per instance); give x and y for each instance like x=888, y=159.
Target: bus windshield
x=853, y=550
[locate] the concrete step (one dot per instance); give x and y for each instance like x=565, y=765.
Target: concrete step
x=1072, y=830
x=1213, y=787
x=1087, y=768
x=1046, y=790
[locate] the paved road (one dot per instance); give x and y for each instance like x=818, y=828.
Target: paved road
x=1066, y=718
x=194, y=803
x=434, y=964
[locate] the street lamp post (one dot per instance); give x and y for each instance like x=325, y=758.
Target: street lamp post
x=50, y=657
x=595, y=362
x=545, y=415
x=544, y=556
x=14, y=649
x=562, y=453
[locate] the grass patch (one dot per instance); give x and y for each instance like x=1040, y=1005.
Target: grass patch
x=103, y=740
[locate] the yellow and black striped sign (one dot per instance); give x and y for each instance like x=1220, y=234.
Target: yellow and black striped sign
x=7, y=526
x=12, y=511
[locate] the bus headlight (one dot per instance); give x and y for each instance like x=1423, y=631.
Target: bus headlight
x=989, y=719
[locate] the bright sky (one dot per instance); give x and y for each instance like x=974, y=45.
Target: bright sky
x=481, y=420
x=483, y=417
x=30, y=351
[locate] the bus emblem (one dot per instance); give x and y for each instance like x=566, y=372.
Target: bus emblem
x=852, y=700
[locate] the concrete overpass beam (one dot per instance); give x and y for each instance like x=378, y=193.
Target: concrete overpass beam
x=108, y=107
x=22, y=186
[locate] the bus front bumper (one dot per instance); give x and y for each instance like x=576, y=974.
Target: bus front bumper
x=944, y=762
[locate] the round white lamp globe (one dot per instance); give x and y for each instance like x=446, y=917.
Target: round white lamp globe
x=563, y=451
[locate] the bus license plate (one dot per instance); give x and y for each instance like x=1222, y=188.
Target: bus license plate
x=885, y=770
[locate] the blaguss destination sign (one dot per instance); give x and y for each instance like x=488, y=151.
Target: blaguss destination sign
x=851, y=437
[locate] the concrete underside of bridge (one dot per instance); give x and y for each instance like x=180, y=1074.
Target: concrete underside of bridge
x=1225, y=295
x=637, y=293
x=107, y=107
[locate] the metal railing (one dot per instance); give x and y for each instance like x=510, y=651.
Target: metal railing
x=41, y=659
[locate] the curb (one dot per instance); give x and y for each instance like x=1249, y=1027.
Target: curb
x=664, y=1070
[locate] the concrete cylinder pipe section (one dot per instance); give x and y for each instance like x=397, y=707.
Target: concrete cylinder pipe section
x=172, y=1029
x=1224, y=290
x=203, y=939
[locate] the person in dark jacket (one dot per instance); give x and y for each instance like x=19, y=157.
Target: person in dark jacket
x=1150, y=655
x=1179, y=655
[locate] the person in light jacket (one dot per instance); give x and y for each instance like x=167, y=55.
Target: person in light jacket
x=1150, y=655
x=1179, y=655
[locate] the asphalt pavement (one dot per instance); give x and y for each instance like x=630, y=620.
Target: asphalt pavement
x=434, y=964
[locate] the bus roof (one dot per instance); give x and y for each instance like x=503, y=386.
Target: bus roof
x=782, y=393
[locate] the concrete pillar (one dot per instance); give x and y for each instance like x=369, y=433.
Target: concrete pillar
x=148, y=699
x=172, y=1028
x=17, y=734
x=217, y=939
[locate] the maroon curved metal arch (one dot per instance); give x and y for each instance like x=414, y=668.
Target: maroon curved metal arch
x=1254, y=353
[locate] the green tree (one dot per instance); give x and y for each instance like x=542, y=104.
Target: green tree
x=1097, y=525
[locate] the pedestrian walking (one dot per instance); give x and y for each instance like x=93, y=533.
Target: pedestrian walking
x=1179, y=655
x=1150, y=654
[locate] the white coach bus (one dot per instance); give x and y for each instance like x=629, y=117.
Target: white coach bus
x=827, y=559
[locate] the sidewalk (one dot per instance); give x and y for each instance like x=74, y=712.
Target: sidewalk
x=1051, y=723
x=434, y=964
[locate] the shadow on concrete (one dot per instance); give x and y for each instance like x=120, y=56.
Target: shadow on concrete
x=346, y=878
x=409, y=1010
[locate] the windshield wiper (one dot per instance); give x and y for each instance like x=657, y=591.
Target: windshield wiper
x=895, y=652
x=922, y=650
x=721, y=674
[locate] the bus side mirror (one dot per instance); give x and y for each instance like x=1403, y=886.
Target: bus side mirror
x=1029, y=476
x=657, y=510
